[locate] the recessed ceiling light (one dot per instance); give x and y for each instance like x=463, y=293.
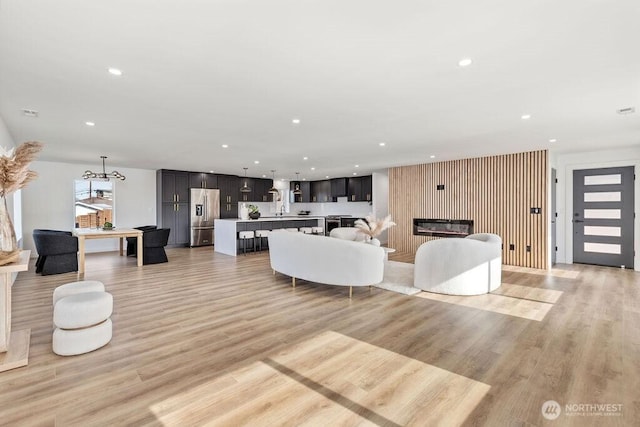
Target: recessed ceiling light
x=115, y=71
x=356, y=166
x=210, y=171
x=432, y=156
x=312, y=168
x=355, y=173
x=626, y=110
x=89, y=123
x=282, y=179
x=382, y=144
x=525, y=116
x=327, y=176
x=256, y=162
x=464, y=62
x=552, y=140
x=305, y=158
x=304, y=179
x=29, y=113
x=225, y=146
x=295, y=121
x=264, y=176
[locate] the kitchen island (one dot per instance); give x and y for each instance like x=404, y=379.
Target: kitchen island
x=226, y=230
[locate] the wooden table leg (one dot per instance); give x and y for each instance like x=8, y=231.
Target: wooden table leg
x=140, y=250
x=80, y=254
x=5, y=311
x=122, y=246
x=14, y=346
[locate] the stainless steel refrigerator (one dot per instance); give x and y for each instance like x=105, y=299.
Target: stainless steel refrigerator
x=204, y=209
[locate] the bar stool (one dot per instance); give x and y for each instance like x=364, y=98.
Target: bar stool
x=244, y=236
x=293, y=230
x=259, y=235
x=306, y=230
x=317, y=230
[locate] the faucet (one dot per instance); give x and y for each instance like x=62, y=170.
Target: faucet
x=282, y=210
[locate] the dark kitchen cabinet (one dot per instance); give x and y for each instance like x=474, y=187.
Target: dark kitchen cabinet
x=355, y=189
x=247, y=196
x=320, y=191
x=173, y=186
x=229, y=186
x=176, y=217
x=338, y=187
x=361, y=189
x=202, y=180
x=305, y=187
x=367, y=188
x=172, y=210
x=261, y=189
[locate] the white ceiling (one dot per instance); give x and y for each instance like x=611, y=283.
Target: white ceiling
x=199, y=74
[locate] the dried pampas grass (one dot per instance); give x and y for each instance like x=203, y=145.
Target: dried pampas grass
x=372, y=226
x=14, y=167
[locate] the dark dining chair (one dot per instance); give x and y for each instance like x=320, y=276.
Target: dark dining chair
x=153, y=243
x=132, y=242
x=57, y=251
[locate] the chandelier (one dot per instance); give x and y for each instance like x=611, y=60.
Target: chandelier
x=103, y=175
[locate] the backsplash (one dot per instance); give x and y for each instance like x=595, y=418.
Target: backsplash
x=341, y=207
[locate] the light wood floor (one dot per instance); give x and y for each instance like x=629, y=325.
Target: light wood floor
x=216, y=340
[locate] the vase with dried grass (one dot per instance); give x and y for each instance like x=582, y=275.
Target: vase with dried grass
x=372, y=227
x=14, y=175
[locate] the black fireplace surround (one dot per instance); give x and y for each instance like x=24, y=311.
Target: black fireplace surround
x=442, y=227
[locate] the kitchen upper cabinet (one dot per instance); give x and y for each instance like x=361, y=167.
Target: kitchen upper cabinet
x=355, y=189
x=261, y=189
x=367, y=188
x=361, y=189
x=320, y=191
x=338, y=187
x=305, y=187
x=229, y=186
x=172, y=186
x=202, y=180
x=251, y=185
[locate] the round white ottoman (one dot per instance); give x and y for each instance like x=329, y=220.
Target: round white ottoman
x=82, y=323
x=70, y=342
x=76, y=288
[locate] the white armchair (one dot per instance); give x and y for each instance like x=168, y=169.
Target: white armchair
x=469, y=266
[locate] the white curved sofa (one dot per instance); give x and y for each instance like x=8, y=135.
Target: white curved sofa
x=469, y=266
x=326, y=260
x=347, y=233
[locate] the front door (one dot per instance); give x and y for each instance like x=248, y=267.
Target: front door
x=603, y=216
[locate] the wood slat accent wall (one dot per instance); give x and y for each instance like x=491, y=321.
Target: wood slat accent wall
x=495, y=192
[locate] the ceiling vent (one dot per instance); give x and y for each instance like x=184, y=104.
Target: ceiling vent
x=628, y=110
x=29, y=113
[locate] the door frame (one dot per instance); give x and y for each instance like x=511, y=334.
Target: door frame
x=567, y=223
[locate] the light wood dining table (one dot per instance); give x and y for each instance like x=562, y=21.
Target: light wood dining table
x=92, y=233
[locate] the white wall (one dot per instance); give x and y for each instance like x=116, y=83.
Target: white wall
x=565, y=165
x=381, y=199
x=48, y=202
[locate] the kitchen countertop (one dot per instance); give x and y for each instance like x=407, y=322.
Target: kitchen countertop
x=274, y=218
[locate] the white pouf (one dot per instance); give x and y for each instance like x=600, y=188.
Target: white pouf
x=82, y=310
x=77, y=288
x=79, y=341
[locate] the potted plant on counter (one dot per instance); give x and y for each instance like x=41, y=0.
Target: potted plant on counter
x=254, y=212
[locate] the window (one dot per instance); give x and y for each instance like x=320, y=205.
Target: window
x=93, y=203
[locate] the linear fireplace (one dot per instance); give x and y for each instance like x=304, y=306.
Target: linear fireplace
x=442, y=227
